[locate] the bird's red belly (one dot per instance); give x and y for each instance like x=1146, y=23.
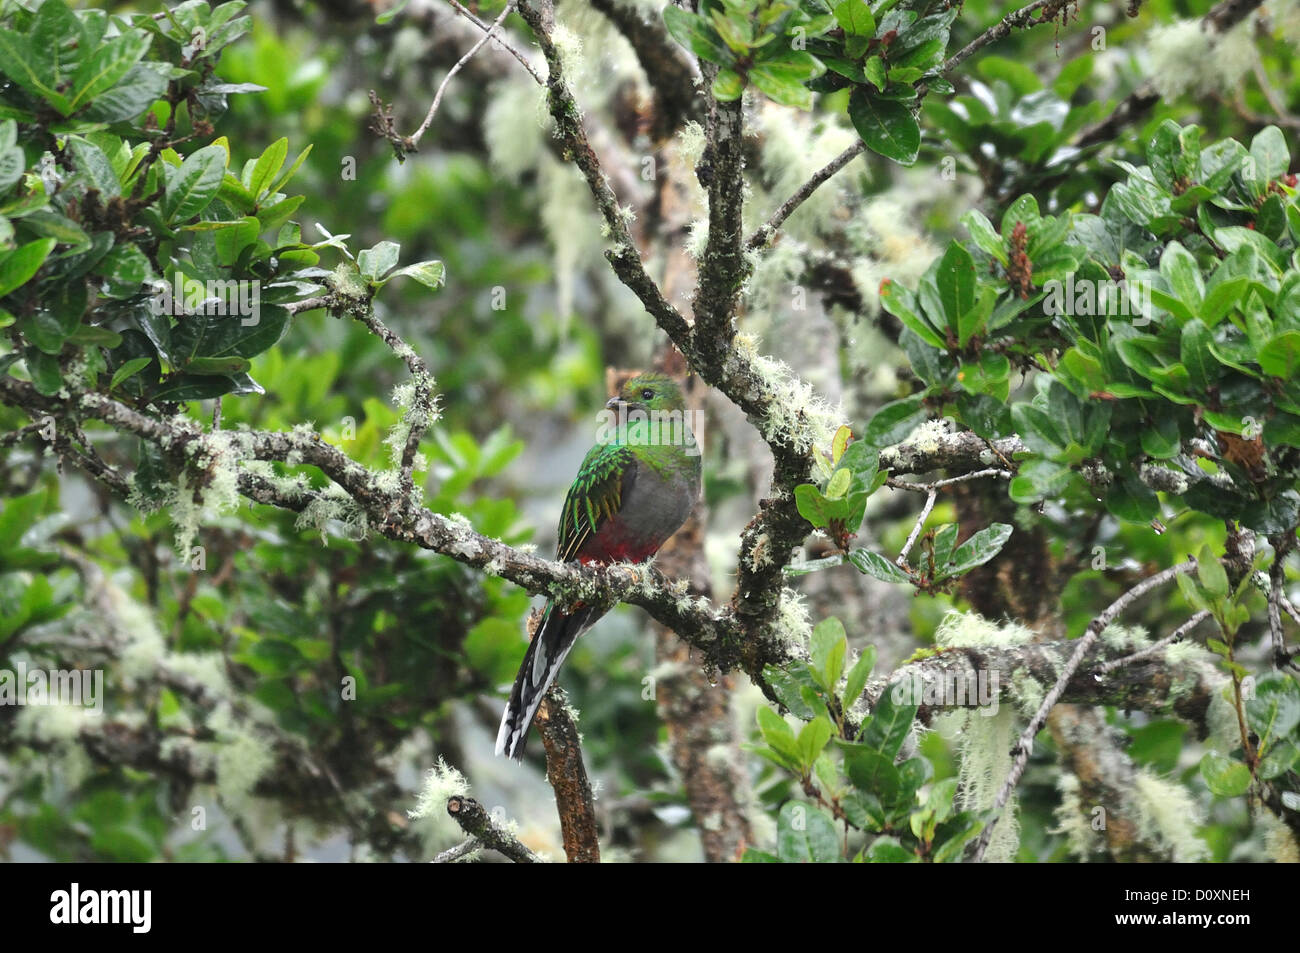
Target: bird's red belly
x=613, y=543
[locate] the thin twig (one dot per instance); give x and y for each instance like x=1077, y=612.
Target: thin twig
x=499, y=40
x=22, y=433
x=414, y=140
x=764, y=233
x=1025, y=744
x=462, y=849
x=1020, y=18
x=916, y=530
x=1152, y=650
x=423, y=404
x=925, y=487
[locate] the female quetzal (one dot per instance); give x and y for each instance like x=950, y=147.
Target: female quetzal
x=635, y=488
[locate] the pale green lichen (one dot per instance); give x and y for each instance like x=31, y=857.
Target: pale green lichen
x=333, y=504
x=968, y=629
x=1074, y=820
x=1279, y=842
x=795, y=147
x=144, y=648
x=53, y=724
x=791, y=625
x=697, y=238
x=441, y=783
x=1168, y=817
x=984, y=741
x=1126, y=639
x=795, y=413
x=208, y=488
x=984, y=747
x=1186, y=58
x=242, y=757
x=691, y=143
x=927, y=435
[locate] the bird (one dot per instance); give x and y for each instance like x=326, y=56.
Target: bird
x=634, y=489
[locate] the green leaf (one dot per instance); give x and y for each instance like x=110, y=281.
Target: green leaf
x=777, y=733
x=1162, y=439
x=874, y=70
x=887, y=126
x=697, y=35
x=1270, y=152
x=728, y=85
x=431, y=274
x=887, y=850
x=391, y=12
x=890, y=722
x=128, y=370
x=872, y=772
x=873, y=564
x=894, y=421
x=1211, y=574
x=1223, y=776
x=806, y=834
x=838, y=484
x=143, y=86
x=218, y=365
x=856, y=682
x=955, y=278
x=827, y=649
x=984, y=235
x=267, y=165
x=1183, y=274
x=1281, y=355
x=25, y=63
x=47, y=376
x=813, y=738
x=979, y=549
x=812, y=505
x=107, y=66
x=18, y=265
x=855, y=17
x=789, y=688
x=18, y=515
x=1194, y=351
x=192, y=186
x=375, y=262
x=1132, y=500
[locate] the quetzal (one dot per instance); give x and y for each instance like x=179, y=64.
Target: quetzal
x=635, y=488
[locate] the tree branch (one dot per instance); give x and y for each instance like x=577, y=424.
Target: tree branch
x=478, y=824
x=1025, y=744
x=568, y=778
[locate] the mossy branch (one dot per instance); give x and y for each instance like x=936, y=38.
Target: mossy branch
x=480, y=825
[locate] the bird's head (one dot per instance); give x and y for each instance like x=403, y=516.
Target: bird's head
x=649, y=392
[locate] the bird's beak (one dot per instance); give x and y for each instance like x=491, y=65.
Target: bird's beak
x=613, y=403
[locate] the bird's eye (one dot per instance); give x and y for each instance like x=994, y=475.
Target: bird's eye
x=647, y=394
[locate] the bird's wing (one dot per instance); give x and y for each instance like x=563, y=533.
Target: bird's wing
x=595, y=496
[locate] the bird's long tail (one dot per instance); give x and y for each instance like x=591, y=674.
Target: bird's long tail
x=546, y=653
